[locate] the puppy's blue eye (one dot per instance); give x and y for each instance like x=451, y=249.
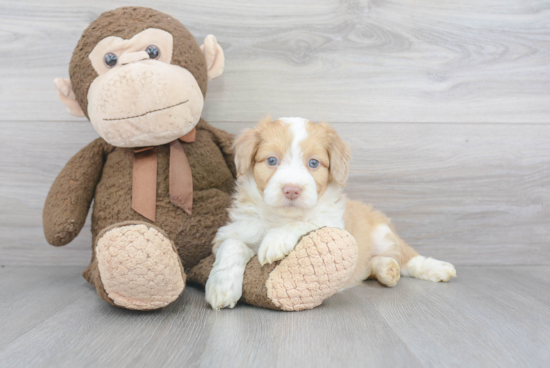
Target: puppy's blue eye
x=272, y=161
x=313, y=164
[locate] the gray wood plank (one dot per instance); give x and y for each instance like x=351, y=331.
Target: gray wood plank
x=88, y=332
x=322, y=336
x=488, y=316
x=469, y=194
x=350, y=61
x=32, y=158
x=30, y=295
x=188, y=333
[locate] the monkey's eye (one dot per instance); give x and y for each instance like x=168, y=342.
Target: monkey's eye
x=313, y=163
x=272, y=161
x=110, y=59
x=153, y=52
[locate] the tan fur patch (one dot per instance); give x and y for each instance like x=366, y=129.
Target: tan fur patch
x=361, y=221
x=326, y=146
x=316, y=146
x=246, y=146
x=275, y=140
x=339, y=153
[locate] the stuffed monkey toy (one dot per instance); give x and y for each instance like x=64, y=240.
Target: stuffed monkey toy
x=161, y=177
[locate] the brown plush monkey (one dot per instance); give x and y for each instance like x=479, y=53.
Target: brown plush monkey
x=161, y=177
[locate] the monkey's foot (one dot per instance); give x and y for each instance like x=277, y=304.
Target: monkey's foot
x=318, y=267
x=139, y=267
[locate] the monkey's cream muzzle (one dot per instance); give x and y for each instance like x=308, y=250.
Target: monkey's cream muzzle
x=139, y=101
x=144, y=103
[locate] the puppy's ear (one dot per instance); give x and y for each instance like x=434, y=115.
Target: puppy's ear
x=246, y=146
x=339, y=154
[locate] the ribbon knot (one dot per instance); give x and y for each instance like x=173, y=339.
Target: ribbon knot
x=144, y=178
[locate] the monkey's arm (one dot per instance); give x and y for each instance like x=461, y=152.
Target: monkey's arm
x=224, y=140
x=72, y=192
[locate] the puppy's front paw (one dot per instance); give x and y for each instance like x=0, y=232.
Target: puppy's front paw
x=223, y=288
x=275, y=246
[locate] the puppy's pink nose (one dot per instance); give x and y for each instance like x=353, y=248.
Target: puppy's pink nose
x=291, y=191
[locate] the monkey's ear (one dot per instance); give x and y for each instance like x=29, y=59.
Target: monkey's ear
x=66, y=95
x=213, y=53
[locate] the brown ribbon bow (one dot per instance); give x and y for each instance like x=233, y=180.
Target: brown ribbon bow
x=144, y=185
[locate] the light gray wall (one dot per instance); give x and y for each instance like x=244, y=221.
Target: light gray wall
x=446, y=105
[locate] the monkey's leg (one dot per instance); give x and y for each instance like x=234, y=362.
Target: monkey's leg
x=136, y=266
x=317, y=268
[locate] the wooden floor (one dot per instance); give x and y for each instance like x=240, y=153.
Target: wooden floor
x=488, y=316
x=446, y=106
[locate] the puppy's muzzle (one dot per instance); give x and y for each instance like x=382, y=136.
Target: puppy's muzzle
x=292, y=191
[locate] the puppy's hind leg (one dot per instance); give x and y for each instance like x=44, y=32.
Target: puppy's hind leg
x=386, y=270
x=392, y=254
x=387, y=253
x=420, y=267
x=429, y=269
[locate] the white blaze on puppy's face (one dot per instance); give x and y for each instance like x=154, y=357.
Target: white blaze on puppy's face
x=292, y=173
x=292, y=160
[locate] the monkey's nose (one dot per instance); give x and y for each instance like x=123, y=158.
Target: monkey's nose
x=132, y=57
x=291, y=191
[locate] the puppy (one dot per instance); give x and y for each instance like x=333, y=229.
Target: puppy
x=290, y=177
